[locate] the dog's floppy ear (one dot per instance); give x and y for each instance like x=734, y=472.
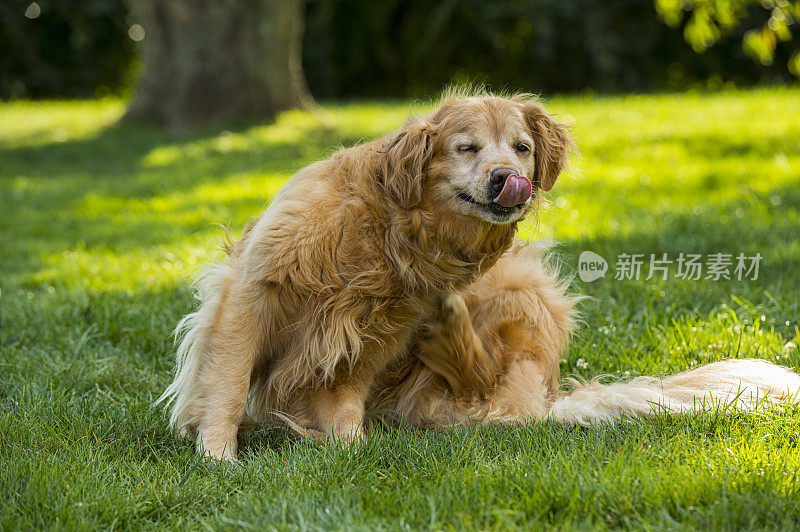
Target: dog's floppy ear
x=407, y=154
x=552, y=144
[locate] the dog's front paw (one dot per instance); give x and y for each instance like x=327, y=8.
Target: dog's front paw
x=221, y=452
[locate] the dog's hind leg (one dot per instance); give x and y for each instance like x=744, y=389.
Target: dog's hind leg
x=451, y=348
x=506, y=329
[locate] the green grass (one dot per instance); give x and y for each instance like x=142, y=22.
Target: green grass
x=102, y=225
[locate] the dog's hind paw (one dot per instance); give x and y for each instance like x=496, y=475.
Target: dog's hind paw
x=452, y=308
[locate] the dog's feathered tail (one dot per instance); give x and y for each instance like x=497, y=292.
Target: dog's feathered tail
x=741, y=384
x=193, y=330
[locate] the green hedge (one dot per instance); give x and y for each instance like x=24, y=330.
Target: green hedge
x=400, y=48
x=73, y=48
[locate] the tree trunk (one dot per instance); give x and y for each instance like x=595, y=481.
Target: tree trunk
x=216, y=62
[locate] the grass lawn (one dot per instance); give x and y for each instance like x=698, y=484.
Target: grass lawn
x=102, y=225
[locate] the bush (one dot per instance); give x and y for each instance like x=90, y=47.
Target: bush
x=70, y=48
x=401, y=48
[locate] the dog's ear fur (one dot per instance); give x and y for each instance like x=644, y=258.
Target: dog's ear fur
x=407, y=154
x=552, y=144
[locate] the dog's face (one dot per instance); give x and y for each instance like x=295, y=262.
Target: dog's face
x=483, y=160
x=482, y=157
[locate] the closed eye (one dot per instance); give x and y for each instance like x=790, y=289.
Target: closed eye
x=521, y=147
x=464, y=148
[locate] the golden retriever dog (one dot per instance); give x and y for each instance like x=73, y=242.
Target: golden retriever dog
x=326, y=288
x=491, y=354
x=384, y=282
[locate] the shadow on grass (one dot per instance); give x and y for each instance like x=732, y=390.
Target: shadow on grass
x=135, y=187
x=120, y=152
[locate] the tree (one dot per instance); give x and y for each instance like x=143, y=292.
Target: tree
x=712, y=19
x=214, y=62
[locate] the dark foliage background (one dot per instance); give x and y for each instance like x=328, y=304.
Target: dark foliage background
x=402, y=48
x=73, y=48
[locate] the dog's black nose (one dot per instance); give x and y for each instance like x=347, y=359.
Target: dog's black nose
x=497, y=179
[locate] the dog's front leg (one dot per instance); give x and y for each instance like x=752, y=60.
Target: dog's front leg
x=224, y=384
x=339, y=405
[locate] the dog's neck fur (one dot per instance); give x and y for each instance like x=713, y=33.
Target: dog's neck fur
x=435, y=253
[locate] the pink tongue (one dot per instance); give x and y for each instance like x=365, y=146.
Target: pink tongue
x=516, y=190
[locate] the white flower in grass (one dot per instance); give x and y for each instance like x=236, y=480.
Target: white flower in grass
x=789, y=346
x=581, y=363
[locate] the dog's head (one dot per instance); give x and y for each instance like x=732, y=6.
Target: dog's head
x=468, y=157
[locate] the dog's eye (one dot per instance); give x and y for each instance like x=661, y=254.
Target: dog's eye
x=522, y=147
x=463, y=148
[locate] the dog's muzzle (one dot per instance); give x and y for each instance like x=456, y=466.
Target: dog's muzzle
x=509, y=189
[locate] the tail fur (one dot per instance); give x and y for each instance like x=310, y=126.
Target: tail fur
x=740, y=383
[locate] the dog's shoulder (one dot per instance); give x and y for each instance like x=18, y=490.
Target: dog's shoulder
x=324, y=227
